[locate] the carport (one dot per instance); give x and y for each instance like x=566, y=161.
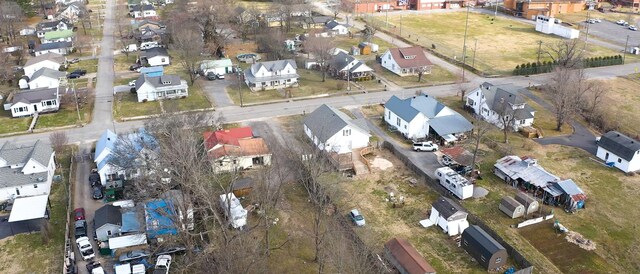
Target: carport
x=27, y=215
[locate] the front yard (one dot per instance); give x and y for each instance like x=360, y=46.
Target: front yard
x=125, y=104
x=437, y=76
x=91, y=65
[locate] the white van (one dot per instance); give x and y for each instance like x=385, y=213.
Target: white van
x=148, y=45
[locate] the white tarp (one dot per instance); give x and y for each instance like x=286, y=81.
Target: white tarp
x=29, y=208
x=127, y=241
x=123, y=269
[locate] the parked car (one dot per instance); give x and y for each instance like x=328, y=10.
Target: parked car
x=220, y=76
x=356, y=217
x=591, y=21
x=94, y=178
x=85, y=248
x=162, y=264
x=134, y=67
x=211, y=76
x=172, y=250
x=73, y=61
x=93, y=265
x=78, y=214
x=597, y=20
x=633, y=28
x=73, y=75
x=621, y=22
x=425, y=146
x=447, y=161
x=133, y=255
x=96, y=193
x=80, y=71
x=80, y=229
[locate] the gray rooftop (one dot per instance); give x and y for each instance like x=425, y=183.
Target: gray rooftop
x=486, y=242
x=510, y=203
x=450, y=124
x=447, y=207
x=54, y=45
x=107, y=214
x=58, y=58
x=494, y=95
x=47, y=72
x=273, y=65
x=160, y=82
x=20, y=155
x=525, y=169
x=619, y=144
x=154, y=52
x=408, y=108
x=35, y=95
x=326, y=121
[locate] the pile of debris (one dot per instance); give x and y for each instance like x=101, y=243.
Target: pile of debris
x=576, y=238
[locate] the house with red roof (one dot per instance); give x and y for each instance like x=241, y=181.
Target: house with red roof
x=406, y=61
x=236, y=149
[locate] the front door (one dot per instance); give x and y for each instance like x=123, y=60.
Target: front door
x=35, y=108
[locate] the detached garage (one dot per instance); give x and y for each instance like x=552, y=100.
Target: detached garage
x=482, y=247
x=449, y=216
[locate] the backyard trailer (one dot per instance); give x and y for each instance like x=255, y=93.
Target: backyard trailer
x=483, y=248
x=454, y=182
x=530, y=204
x=405, y=258
x=511, y=207
x=234, y=211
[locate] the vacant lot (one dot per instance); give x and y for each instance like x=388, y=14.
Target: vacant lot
x=622, y=101
x=501, y=44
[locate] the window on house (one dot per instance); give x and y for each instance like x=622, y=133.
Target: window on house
x=108, y=232
x=389, y=56
x=606, y=156
x=398, y=121
x=405, y=126
x=17, y=191
x=163, y=60
x=346, y=132
x=498, y=260
x=35, y=185
x=522, y=122
x=619, y=160
x=389, y=114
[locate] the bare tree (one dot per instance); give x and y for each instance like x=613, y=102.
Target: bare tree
x=595, y=93
x=58, y=140
x=335, y=8
x=566, y=88
x=480, y=129
x=321, y=49
x=463, y=87
x=566, y=54
x=421, y=72
x=506, y=113
x=82, y=41
x=125, y=31
x=271, y=42
x=369, y=31
x=7, y=73
x=212, y=18
x=188, y=45
x=11, y=20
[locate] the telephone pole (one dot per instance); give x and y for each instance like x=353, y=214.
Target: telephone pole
x=73, y=87
x=464, y=45
x=624, y=54
x=586, y=37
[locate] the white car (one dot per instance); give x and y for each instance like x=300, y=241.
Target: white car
x=597, y=20
x=356, y=217
x=633, y=28
x=621, y=22
x=162, y=264
x=425, y=146
x=132, y=83
x=85, y=248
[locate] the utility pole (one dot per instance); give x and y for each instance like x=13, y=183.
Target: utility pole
x=475, y=47
x=586, y=37
x=624, y=54
x=387, y=13
x=401, y=25
x=73, y=87
x=539, y=50
x=348, y=75
x=496, y=13
x=464, y=46
x=239, y=84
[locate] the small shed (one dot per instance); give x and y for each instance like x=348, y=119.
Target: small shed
x=511, y=207
x=449, y=216
x=243, y=186
x=365, y=48
x=484, y=248
x=355, y=50
x=405, y=258
x=530, y=204
x=568, y=194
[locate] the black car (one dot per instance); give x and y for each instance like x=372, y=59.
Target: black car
x=92, y=265
x=94, y=178
x=73, y=75
x=97, y=193
x=81, y=72
x=134, y=67
x=80, y=228
x=211, y=76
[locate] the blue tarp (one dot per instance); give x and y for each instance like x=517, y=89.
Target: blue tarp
x=130, y=222
x=159, y=215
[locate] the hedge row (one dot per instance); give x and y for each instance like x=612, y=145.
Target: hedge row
x=547, y=66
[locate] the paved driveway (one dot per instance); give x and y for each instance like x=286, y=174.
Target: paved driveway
x=216, y=91
x=8, y=229
x=613, y=32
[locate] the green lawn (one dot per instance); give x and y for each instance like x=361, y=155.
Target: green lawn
x=546, y=121
x=90, y=65
x=64, y=117
x=437, y=76
x=9, y=124
x=195, y=100
x=122, y=62
x=501, y=44
x=42, y=257
x=125, y=104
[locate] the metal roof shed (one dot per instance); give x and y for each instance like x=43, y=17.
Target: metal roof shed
x=127, y=241
x=406, y=258
x=482, y=247
x=530, y=204
x=29, y=208
x=511, y=207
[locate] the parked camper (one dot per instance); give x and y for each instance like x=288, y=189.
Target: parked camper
x=130, y=48
x=122, y=269
x=454, y=182
x=234, y=211
x=148, y=45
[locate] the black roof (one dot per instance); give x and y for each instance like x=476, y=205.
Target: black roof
x=446, y=207
x=485, y=243
x=619, y=144
x=241, y=183
x=107, y=214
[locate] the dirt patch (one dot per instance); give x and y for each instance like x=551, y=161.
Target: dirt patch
x=381, y=163
x=576, y=238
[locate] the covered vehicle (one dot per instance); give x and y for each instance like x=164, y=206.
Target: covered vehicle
x=133, y=255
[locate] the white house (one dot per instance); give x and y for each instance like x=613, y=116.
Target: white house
x=222, y=66
x=28, y=102
x=419, y=116
x=336, y=28
x=25, y=170
x=272, y=75
x=236, y=148
x=500, y=106
x=449, y=216
x=406, y=61
x=347, y=67
x=47, y=26
x=619, y=150
x=63, y=48
x=58, y=36
x=154, y=57
x=333, y=131
x=48, y=60
x=152, y=88
x=27, y=31
x=72, y=12
x=143, y=11
x=46, y=78
x=104, y=148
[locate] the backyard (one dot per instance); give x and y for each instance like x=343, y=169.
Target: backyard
x=494, y=47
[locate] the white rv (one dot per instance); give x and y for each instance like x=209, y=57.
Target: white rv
x=236, y=214
x=454, y=182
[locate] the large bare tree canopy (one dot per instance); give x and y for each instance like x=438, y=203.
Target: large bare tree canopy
x=566, y=88
x=566, y=54
x=321, y=49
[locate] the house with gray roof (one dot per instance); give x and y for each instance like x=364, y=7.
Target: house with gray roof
x=63, y=48
x=347, y=67
x=332, y=130
x=336, y=28
x=48, y=60
x=619, y=150
x=168, y=86
x=46, y=26
x=496, y=104
x=46, y=78
x=420, y=116
x=449, y=216
x=272, y=75
x=154, y=57
x=107, y=222
x=25, y=170
x=28, y=102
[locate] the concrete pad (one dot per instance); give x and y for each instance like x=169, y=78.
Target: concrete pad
x=479, y=192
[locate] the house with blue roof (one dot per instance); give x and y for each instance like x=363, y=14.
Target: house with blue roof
x=159, y=218
x=420, y=116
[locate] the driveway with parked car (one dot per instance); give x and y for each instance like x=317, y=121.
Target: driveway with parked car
x=613, y=32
